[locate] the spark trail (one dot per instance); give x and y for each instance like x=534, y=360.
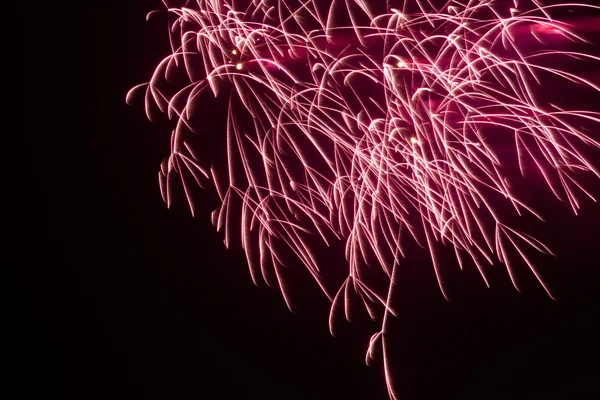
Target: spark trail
x=355, y=124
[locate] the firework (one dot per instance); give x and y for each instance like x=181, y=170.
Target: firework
x=363, y=126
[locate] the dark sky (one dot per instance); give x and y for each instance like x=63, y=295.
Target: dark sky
x=141, y=302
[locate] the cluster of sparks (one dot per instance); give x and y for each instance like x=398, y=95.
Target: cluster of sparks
x=360, y=124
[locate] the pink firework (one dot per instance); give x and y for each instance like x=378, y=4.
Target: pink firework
x=367, y=124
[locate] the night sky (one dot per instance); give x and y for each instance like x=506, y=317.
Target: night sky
x=141, y=302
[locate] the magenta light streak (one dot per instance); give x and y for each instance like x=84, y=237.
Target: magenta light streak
x=396, y=122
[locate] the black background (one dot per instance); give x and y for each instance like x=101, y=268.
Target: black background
x=136, y=301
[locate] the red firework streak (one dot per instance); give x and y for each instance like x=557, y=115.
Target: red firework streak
x=360, y=125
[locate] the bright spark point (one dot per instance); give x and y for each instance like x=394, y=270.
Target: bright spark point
x=238, y=66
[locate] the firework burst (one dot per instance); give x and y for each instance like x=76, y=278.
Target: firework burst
x=362, y=125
